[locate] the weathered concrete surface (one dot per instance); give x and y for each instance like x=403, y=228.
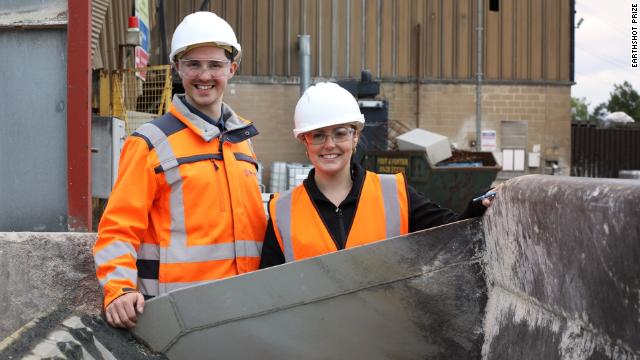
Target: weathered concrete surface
x=50, y=301
x=64, y=335
x=421, y=296
x=563, y=270
x=43, y=272
x=561, y=280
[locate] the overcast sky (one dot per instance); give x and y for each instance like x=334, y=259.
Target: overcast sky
x=603, y=49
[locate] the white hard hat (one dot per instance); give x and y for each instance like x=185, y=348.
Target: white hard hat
x=203, y=27
x=326, y=104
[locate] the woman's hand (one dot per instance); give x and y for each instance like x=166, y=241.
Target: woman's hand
x=487, y=199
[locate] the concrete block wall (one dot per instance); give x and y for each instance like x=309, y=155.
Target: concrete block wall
x=271, y=108
x=448, y=109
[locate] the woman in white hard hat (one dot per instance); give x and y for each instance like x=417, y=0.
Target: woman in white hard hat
x=340, y=205
x=186, y=207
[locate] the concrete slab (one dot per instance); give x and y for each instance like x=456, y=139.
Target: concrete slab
x=558, y=280
x=408, y=297
x=41, y=272
x=64, y=335
x=563, y=266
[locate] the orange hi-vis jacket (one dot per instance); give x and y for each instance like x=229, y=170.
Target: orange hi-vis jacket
x=186, y=207
x=382, y=212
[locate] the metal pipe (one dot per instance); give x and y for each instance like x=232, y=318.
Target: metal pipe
x=363, y=30
x=319, y=39
x=303, y=16
x=164, y=54
x=348, y=36
x=378, y=37
x=304, y=48
x=272, y=33
x=418, y=57
x=287, y=36
x=479, y=78
x=334, y=37
x=394, y=38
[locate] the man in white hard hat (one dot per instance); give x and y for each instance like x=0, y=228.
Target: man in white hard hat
x=340, y=205
x=186, y=208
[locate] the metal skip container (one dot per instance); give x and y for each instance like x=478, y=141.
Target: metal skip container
x=451, y=183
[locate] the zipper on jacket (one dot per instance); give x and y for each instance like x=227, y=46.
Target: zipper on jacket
x=217, y=176
x=343, y=240
x=221, y=140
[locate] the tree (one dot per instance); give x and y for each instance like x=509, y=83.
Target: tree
x=599, y=112
x=580, y=109
x=625, y=98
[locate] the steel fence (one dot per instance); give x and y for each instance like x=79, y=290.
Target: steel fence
x=601, y=152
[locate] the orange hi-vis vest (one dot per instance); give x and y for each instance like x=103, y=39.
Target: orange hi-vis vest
x=186, y=208
x=382, y=212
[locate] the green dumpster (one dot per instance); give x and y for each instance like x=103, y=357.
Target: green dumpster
x=451, y=183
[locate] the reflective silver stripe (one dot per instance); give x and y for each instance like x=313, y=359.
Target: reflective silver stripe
x=248, y=248
x=283, y=219
x=391, y=204
x=115, y=249
x=223, y=251
x=120, y=273
x=149, y=251
x=159, y=141
x=149, y=286
x=169, y=164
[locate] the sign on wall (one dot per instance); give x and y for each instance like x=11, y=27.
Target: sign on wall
x=142, y=12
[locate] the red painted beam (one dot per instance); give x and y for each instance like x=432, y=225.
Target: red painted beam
x=79, y=115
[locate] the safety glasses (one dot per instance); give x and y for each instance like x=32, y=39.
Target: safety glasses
x=193, y=68
x=338, y=135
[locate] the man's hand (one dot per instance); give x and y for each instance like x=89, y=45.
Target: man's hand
x=123, y=311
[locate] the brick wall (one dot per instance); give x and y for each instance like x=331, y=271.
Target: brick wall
x=448, y=109
x=451, y=110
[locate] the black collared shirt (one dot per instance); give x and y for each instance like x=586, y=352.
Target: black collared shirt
x=423, y=214
x=219, y=123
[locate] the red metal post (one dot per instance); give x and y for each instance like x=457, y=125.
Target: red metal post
x=79, y=115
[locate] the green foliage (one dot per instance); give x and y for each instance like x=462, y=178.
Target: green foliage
x=625, y=98
x=579, y=109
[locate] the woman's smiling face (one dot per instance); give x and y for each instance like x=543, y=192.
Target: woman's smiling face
x=330, y=148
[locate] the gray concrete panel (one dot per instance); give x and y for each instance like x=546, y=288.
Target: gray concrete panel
x=33, y=136
x=420, y=295
x=64, y=334
x=564, y=270
x=40, y=272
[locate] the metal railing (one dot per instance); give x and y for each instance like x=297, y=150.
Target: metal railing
x=136, y=95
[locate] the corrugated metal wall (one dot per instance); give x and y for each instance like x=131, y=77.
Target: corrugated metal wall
x=603, y=152
x=524, y=40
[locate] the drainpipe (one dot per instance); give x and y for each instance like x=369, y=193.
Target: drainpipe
x=418, y=75
x=479, y=78
x=304, y=48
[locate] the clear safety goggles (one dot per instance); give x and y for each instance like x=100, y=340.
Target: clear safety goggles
x=193, y=68
x=338, y=135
